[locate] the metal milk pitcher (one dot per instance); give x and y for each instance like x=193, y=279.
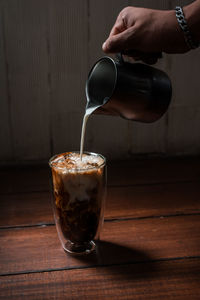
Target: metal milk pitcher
x=134, y=91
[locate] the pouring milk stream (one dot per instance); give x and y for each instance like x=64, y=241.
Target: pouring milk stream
x=134, y=91
x=88, y=112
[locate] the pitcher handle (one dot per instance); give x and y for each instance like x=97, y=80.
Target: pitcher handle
x=119, y=58
x=149, y=58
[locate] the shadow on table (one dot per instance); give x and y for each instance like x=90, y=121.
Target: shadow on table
x=122, y=262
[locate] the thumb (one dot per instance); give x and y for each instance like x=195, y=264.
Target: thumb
x=116, y=43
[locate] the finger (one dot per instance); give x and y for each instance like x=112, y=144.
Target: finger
x=136, y=54
x=118, y=27
x=149, y=58
x=116, y=43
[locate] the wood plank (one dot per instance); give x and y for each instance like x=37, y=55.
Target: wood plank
x=24, y=179
x=120, y=173
x=68, y=60
x=147, y=138
x=186, y=90
x=173, y=3
x=180, y=138
x=184, y=113
x=161, y=280
x=106, y=135
x=140, y=137
x=102, y=18
x=122, y=138
x=26, y=51
x=150, y=171
x=6, y=151
x=121, y=202
x=162, y=4
x=26, y=209
x=155, y=200
x=38, y=249
x=171, y=134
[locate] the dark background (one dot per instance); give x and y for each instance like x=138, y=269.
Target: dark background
x=46, y=51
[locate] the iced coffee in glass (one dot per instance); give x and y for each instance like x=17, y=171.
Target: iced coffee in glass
x=79, y=187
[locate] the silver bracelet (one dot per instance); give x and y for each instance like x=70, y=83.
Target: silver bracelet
x=184, y=26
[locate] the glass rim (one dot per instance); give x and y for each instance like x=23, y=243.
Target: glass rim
x=52, y=164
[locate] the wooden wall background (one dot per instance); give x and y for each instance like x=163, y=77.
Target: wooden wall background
x=46, y=50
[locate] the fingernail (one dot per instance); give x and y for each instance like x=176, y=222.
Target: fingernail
x=104, y=45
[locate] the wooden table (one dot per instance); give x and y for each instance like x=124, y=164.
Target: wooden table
x=150, y=243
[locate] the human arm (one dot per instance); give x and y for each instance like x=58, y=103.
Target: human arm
x=149, y=31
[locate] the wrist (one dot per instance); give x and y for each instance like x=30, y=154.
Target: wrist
x=173, y=37
x=189, y=38
x=192, y=12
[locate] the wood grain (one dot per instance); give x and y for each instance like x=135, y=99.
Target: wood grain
x=178, y=135
x=24, y=209
x=24, y=179
x=26, y=52
x=103, y=15
x=46, y=51
x=68, y=61
x=163, y=4
x=120, y=173
x=155, y=200
x=104, y=130
x=38, y=248
x=161, y=280
x=141, y=254
x=6, y=152
x=153, y=171
x=185, y=97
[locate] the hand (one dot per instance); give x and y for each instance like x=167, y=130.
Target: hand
x=144, y=33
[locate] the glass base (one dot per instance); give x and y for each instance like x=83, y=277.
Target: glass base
x=79, y=249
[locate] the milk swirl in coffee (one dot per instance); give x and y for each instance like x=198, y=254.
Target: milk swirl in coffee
x=79, y=190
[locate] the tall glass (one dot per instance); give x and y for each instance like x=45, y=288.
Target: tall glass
x=78, y=202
